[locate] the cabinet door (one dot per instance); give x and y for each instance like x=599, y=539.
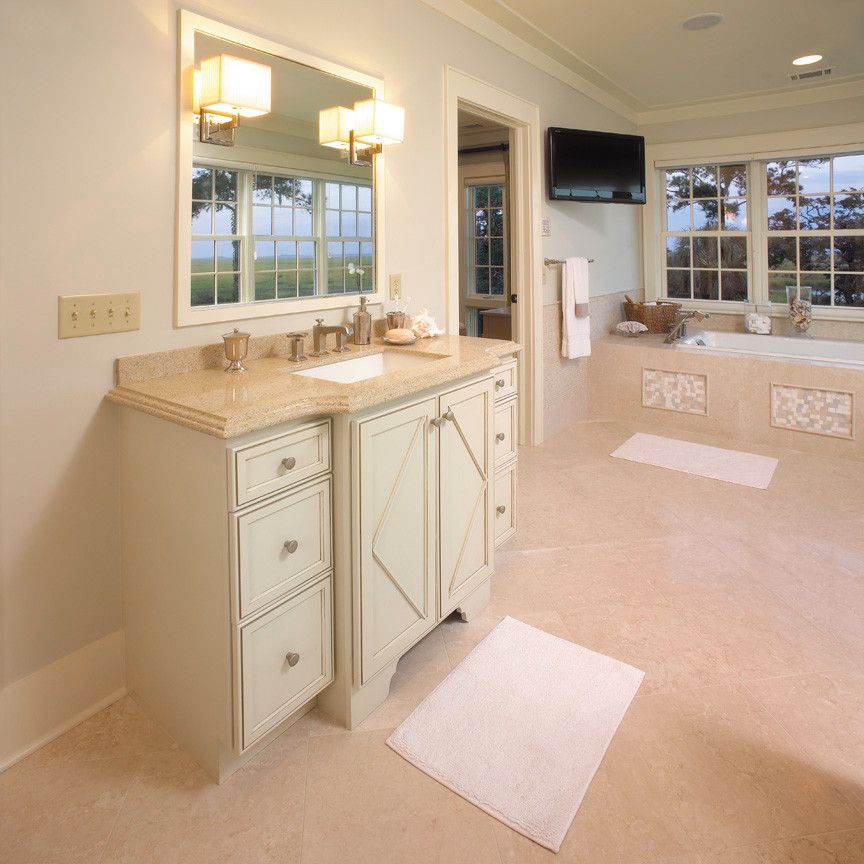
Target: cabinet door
x=466, y=532
x=397, y=463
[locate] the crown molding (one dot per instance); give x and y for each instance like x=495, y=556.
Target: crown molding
x=499, y=35
x=847, y=89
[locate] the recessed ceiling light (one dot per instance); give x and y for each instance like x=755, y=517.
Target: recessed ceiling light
x=703, y=21
x=807, y=59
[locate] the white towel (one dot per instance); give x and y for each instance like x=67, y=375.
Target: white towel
x=576, y=323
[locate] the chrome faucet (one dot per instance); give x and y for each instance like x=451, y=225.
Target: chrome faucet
x=679, y=331
x=297, y=341
x=319, y=337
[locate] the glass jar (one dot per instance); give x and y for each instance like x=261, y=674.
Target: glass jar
x=800, y=299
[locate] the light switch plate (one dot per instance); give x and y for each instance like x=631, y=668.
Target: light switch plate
x=545, y=227
x=92, y=314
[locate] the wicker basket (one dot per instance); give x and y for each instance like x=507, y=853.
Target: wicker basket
x=658, y=317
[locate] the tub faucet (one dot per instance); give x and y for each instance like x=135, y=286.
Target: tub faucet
x=679, y=331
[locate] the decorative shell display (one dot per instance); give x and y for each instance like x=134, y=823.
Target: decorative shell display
x=631, y=328
x=424, y=325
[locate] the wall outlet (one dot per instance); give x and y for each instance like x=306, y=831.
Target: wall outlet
x=395, y=286
x=545, y=227
x=92, y=314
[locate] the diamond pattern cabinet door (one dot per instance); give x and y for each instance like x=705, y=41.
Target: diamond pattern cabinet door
x=398, y=469
x=465, y=492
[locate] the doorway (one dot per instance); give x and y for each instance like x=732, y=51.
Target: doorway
x=520, y=261
x=485, y=298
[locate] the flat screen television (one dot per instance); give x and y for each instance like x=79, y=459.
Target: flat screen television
x=603, y=167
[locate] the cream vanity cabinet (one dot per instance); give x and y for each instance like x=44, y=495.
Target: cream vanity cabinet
x=293, y=566
x=227, y=580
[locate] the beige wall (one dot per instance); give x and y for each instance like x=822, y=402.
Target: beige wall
x=87, y=205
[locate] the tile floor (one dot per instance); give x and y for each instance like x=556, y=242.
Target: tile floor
x=745, y=744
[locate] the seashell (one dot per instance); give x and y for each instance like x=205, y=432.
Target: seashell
x=631, y=328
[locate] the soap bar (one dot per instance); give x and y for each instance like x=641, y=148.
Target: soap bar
x=400, y=334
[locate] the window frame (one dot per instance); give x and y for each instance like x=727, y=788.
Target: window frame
x=472, y=183
x=804, y=144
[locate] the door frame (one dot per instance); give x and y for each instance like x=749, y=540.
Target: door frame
x=522, y=118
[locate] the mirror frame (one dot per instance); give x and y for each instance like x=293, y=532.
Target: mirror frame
x=186, y=315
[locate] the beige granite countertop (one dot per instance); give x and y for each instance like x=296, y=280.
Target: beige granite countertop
x=228, y=404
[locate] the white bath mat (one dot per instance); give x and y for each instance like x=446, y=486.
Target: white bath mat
x=732, y=466
x=520, y=726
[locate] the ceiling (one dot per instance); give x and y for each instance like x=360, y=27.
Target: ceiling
x=637, y=51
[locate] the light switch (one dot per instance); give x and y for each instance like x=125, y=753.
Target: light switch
x=545, y=227
x=92, y=314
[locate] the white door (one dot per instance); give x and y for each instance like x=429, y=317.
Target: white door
x=466, y=532
x=398, y=467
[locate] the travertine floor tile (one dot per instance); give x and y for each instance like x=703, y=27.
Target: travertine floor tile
x=745, y=744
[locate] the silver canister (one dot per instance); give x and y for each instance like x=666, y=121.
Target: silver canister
x=236, y=349
x=395, y=320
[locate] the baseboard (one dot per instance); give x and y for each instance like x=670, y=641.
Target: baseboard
x=39, y=708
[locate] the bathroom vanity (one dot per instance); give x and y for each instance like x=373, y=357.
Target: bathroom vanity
x=289, y=532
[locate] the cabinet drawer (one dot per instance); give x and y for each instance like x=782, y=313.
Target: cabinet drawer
x=268, y=467
x=505, y=380
x=282, y=544
x=506, y=434
x=505, y=505
x=286, y=658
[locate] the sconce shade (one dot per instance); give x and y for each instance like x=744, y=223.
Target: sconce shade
x=334, y=127
x=230, y=85
x=378, y=122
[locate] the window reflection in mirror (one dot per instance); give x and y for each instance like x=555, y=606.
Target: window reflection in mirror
x=275, y=216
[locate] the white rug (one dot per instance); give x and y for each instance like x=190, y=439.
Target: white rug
x=520, y=727
x=731, y=466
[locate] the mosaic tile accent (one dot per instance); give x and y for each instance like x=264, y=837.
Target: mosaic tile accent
x=806, y=409
x=686, y=392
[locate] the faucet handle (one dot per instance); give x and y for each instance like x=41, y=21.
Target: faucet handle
x=319, y=321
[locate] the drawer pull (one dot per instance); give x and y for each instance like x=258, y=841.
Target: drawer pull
x=449, y=415
x=500, y=436
x=438, y=421
x=290, y=546
x=289, y=462
x=500, y=383
x=292, y=658
x=501, y=509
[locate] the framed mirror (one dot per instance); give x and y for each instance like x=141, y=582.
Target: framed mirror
x=269, y=220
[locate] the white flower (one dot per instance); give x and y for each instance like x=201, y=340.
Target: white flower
x=354, y=270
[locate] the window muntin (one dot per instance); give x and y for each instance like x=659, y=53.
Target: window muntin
x=262, y=236
x=706, y=235
x=487, y=273
x=815, y=228
x=217, y=244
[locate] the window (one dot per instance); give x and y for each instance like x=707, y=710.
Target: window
x=216, y=242
x=259, y=236
x=706, y=238
x=815, y=228
x=486, y=246
x=349, y=237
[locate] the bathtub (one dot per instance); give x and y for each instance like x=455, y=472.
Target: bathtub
x=800, y=348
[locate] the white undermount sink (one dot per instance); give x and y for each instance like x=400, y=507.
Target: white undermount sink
x=368, y=366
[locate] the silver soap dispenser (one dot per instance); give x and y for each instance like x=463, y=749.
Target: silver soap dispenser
x=362, y=325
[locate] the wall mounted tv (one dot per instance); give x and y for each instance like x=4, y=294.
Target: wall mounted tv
x=603, y=167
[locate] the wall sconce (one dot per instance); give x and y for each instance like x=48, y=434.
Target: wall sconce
x=226, y=89
x=362, y=133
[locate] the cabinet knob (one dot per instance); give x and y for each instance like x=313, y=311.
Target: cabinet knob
x=500, y=383
x=501, y=509
x=500, y=436
x=290, y=546
x=437, y=421
x=293, y=658
x=289, y=462
x=449, y=415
